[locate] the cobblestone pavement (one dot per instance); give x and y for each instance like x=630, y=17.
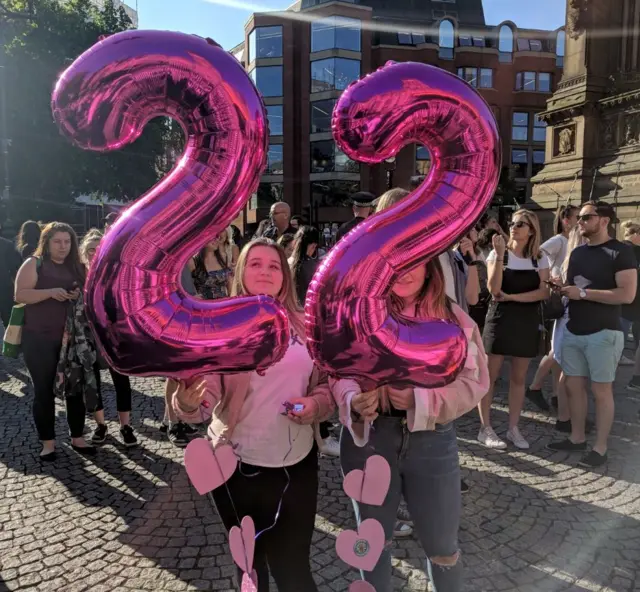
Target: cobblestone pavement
x=129, y=520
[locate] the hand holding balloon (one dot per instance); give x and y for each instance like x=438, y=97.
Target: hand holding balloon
x=366, y=405
x=401, y=398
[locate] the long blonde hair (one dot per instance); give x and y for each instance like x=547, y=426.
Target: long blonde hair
x=287, y=295
x=629, y=228
x=93, y=236
x=575, y=240
x=532, y=248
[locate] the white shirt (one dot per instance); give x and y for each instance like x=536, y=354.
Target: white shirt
x=449, y=280
x=263, y=436
x=519, y=263
x=556, y=249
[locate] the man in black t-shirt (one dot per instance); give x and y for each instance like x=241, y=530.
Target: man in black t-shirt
x=600, y=278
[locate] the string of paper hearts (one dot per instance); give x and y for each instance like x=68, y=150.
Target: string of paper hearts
x=361, y=548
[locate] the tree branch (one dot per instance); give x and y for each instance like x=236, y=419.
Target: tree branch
x=4, y=11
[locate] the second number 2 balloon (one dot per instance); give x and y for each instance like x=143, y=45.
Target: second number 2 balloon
x=144, y=321
x=350, y=330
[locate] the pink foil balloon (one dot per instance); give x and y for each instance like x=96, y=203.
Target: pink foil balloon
x=144, y=321
x=350, y=330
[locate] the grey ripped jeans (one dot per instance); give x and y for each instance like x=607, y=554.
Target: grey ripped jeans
x=425, y=470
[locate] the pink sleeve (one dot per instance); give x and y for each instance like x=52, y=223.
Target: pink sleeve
x=442, y=405
x=343, y=391
x=211, y=396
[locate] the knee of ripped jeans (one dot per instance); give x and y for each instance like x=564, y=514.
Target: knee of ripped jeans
x=445, y=562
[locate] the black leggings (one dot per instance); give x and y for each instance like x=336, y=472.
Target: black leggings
x=285, y=549
x=122, y=386
x=41, y=357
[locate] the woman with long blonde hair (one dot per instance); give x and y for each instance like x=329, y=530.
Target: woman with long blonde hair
x=270, y=420
x=412, y=428
x=518, y=273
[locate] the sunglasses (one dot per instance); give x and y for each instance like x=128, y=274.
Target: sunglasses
x=519, y=224
x=587, y=217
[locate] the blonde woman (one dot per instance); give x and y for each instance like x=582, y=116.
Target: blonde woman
x=278, y=471
x=631, y=312
x=518, y=273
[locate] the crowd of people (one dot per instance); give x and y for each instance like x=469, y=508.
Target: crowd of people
x=507, y=290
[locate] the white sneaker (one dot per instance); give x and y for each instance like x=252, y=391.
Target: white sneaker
x=402, y=530
x=514, y=436
x=624, y=361
x=330, y=446
x=487, y=437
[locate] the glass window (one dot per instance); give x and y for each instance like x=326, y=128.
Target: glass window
x=344, y=164
x=535, y=45
x=538, y=161
x=519, y=162
x=486, y=78
x=335, y=33
x=335, y=194
x=523, y=45
x=469, y=75
x=418, y=38
x=529, y=81
x=560, y=43
x=327, y=158
x=405, y=39
x=479, y=42
x=465, y=41
x=274, y=115
x=321, y=112
x=333, y=74
x=275, y=160
x=544, y=82
x=520, y=126
x=268, y=80
x=539, y=129
x=519, y=81
x=446, y=39
x=423, y=160
x=267, y=194
x=505, y=43
x=265, y=42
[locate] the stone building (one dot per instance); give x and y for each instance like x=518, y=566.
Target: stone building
x=593, y=136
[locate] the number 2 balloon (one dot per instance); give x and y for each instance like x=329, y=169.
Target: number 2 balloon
x=143, y=320
x=351, y=332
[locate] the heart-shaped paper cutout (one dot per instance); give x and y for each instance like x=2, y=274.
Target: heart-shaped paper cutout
x=362, y=548
x=361, y=586
x=371, y=485
x=242, y=542
x=207, y=468
x=250, y=582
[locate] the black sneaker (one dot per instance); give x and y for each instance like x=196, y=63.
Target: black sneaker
x=190, y=430
x=464, y=488
x=537, y=398
x=100, y=434
x=593, y=459
x=566, y=446
x=177, y=435
x=128, y=437
x=164, y=428
x=634, y=385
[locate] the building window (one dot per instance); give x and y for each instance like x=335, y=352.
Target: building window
x=265, y=42
x=465, y=41
x=268, y=80
x=560, y=42
x=267, y=194
x=405, y=39
x=520, y=127
x=423, y=161
x=505, y=43
x=539, y=129
x=326, y=157
x=333, y=74
x=332, y=194
x=538, y=162
x=535, y=45
x=544, y=82
x=486, y=78
x=335, y=33
x=274, y=115
x=275, y=160
x=446, y=39
x=479, y=42
x=321, y=113
x=469, y=75
x=533, y=81
x=418, y=38
x=520, y=162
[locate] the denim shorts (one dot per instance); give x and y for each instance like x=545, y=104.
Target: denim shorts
x=593, y=356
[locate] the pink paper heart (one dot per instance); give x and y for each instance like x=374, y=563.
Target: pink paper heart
x=362, y=548
x=361, y=586
x=207, y=468
x=250, y=582
x=242, y=542
x=371, y=485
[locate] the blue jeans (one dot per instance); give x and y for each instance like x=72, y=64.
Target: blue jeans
x=425, y=470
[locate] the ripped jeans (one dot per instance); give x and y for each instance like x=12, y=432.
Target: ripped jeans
x=425, y=470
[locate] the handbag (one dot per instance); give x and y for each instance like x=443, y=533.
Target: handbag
x=552, y=307
x=13, y=334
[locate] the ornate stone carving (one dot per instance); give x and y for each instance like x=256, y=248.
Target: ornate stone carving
x=631, y=134
x=575, y=81
x=608, y=134
x=576, y=17
x=564, y=140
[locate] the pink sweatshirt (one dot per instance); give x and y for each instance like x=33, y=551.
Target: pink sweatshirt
x=433, y=406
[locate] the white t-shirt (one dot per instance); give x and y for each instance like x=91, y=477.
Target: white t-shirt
x=556, y=249
x=449, y=280
x=520, y=264
x=263, y=436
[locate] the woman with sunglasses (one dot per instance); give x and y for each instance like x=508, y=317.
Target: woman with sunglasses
x=517, y=273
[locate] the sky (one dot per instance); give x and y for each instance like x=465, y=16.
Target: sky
x=223, y=20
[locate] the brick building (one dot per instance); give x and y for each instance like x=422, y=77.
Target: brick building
x=303, y=58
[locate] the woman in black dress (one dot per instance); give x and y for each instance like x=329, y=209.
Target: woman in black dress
x=517, y=273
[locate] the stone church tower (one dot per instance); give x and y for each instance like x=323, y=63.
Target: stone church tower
x=593, y=134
